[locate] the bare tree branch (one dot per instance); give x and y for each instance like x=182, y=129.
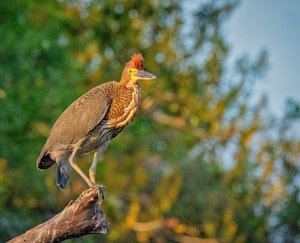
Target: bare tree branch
x=81, y=217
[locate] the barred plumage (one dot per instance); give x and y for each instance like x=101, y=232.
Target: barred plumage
x=91, y=121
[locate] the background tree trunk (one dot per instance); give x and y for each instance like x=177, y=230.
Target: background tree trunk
x=81, y=217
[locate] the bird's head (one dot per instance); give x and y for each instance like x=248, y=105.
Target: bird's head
x=134, y=71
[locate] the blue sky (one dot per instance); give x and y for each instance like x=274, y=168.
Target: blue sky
x=274, y=25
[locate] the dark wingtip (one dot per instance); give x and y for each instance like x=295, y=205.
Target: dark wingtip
x=45, y=162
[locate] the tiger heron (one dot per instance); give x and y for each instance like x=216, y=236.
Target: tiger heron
x=91, y=121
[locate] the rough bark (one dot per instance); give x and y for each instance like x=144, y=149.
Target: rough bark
x=80, y=217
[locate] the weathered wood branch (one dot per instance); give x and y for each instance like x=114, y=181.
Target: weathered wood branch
x=80, y=217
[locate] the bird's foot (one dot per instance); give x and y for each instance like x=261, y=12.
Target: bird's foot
x=101, y=192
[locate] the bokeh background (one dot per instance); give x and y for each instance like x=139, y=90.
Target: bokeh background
x=206, y=159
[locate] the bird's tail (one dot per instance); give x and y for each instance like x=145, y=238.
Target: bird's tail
x=63, y=173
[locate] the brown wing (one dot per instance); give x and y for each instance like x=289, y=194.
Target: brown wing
x=77, y=121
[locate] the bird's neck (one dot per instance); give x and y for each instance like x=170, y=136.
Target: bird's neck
x=129, y=94
x=125, y=102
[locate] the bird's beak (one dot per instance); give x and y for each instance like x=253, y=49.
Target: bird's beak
x=143, y=75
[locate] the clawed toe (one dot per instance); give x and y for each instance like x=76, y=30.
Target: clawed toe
x=101, y=192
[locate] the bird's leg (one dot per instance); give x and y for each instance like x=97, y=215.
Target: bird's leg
x=92, y=175
x=100, y=150
x=92, y=170
x=72, y=161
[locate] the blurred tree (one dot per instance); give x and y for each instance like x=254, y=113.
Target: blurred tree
x=200, y=161
x=34, y=66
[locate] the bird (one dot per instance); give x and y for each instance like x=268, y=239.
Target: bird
x=91, y=121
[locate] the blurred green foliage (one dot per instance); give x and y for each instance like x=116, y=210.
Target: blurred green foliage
x=200, y=160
